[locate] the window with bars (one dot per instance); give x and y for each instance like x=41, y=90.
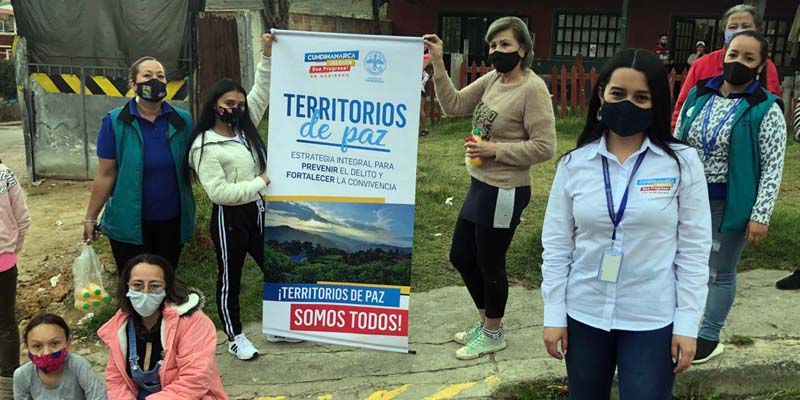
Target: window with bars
x=776, y=30
x=464, y=34
x=685, y=33
x=593, y=35
x=7, y=24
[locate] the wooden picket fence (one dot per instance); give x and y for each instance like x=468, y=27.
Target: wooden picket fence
x=569, y=88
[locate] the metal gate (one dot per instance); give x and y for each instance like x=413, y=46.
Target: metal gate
x=63, y=107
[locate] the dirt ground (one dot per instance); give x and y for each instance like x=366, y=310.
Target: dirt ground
x=54, y=238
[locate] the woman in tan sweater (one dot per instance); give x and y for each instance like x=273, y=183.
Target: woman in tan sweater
x=512, y=109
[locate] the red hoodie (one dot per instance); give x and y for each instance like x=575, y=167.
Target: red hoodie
x=709, y=66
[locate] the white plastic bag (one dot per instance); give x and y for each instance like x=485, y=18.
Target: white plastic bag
x=88, y=279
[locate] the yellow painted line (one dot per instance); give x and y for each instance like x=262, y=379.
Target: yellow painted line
x=173, y=87
x=45, y=82
x=403, y=289
x=387, y=394
x=450, y=391
x=325, y=397
x=130, y=93
x=108, y=87
x=271, y=398
x=492, y=382
x=329, y=199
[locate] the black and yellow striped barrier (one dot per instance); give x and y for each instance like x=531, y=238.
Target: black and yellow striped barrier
x=102, y=86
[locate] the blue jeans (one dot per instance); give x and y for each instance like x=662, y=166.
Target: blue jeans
x=725, y=253
x=644, y=360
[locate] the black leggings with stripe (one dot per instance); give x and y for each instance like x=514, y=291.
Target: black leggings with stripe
x=236, y=231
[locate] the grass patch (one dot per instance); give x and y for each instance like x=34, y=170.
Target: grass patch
x=557, y=390
x=741, y=341
x=540, y=390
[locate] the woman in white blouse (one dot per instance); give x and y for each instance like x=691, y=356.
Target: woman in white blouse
x=626, y=236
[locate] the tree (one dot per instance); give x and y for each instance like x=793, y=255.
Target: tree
x=376, y=15
x=8, y=80
x=275, y=14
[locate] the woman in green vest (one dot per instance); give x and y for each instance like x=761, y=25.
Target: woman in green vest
x=141, y=181
x=739, y=131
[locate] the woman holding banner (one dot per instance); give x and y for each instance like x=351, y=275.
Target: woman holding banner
x=229, y=159
x=512, y=109
x=626, y=238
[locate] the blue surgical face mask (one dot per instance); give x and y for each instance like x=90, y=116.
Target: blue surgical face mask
x=730, y=34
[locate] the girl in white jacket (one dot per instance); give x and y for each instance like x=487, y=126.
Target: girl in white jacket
x=229, y=159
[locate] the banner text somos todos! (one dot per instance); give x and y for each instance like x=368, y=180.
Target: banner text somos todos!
x=351, y=309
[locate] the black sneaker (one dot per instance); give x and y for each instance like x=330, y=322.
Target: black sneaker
x=791, y=282
x=706, y=350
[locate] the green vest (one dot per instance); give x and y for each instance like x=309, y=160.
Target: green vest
x=744, y=164
x=122, y=214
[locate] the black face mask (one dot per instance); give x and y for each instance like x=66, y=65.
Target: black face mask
x=153, y=90
x=504, y=62
x=737, y=73
x=625, y=118
x=230, y=116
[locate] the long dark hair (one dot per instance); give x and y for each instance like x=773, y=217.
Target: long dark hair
x=176, y=290
x=647, y=63
x=208, y=118
x=46, y=319
x=764, y=44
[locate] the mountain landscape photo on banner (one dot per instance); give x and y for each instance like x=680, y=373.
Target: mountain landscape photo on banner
x=344, y=242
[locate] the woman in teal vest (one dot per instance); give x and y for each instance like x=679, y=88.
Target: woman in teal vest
x=141, y=181
x=739, y=131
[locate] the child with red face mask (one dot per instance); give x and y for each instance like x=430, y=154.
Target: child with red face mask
x=54, y=373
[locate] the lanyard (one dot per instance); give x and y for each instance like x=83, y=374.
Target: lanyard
x=708, y=145
x=616, y=217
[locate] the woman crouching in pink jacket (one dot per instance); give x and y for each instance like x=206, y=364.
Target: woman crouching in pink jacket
x=161, y=344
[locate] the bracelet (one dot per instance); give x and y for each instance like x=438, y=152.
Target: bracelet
x=89, y=221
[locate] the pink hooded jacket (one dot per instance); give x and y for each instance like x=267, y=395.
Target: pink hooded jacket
x=189, y=369
x=14, y=218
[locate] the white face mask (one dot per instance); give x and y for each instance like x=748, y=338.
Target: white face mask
x=146, y=304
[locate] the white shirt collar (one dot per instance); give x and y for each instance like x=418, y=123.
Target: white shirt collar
x=601, y=149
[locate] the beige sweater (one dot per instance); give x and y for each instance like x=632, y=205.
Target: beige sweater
x=517, y=117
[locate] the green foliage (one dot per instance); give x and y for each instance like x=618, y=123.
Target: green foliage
x=314, y=263
x=8, y=80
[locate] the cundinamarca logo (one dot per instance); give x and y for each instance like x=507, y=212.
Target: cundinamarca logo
x=333, y=64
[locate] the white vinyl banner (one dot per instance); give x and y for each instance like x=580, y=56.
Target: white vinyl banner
x=342, y=157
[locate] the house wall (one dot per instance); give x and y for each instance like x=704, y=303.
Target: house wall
x=646, y=18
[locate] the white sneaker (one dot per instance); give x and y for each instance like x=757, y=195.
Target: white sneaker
x=242, y=348
x=277, y=339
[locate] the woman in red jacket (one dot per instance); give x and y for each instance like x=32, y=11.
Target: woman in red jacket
x=738, y=18
x=160, y=344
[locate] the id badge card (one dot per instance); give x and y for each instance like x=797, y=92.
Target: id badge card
x=504, y=209
x=610, y=265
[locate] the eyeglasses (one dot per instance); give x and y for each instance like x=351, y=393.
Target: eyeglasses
x=152, y=288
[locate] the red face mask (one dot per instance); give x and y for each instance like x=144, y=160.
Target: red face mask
x=48, y=363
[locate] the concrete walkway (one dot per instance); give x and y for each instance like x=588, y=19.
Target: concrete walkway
x=286, y=371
